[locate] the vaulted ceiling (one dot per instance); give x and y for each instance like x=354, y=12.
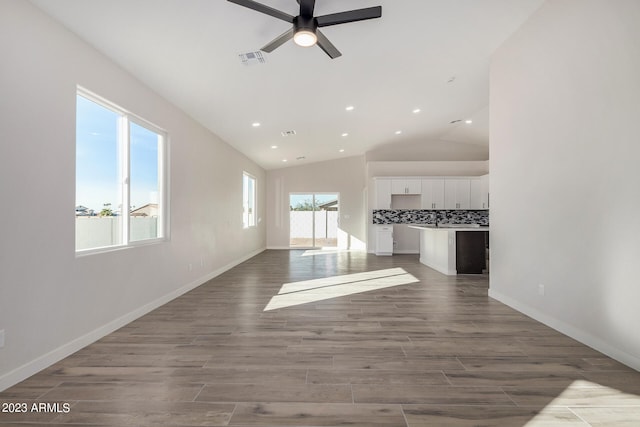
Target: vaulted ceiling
x=431, y=55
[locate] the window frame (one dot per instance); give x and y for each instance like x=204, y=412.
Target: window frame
x=125, y=118
x=245, y=202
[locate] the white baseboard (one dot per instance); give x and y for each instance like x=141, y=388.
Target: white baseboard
x=30, y=368
x=569, y=330
x=278, y=248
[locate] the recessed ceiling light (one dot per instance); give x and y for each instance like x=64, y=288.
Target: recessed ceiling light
x=284, y=160
x=468, y=121
x=255, y=125
x=345, y=134
x=342, y=150
x=274, y=147
x=398, y=132
x=350, y=108
x=416, y=111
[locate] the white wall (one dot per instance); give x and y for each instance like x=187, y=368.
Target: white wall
x=52, y=302
x=436, y=150
x=343, y=176
x=565, y=199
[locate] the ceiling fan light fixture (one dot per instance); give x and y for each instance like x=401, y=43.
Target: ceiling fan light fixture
x=305, y=38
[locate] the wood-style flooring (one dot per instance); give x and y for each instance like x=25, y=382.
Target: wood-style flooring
x=436, y=352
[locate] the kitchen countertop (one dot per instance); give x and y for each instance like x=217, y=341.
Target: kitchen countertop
x=445, y=227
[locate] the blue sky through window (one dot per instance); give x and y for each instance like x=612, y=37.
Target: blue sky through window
x=97, y=159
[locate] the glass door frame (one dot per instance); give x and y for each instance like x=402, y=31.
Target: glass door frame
x=313, y=196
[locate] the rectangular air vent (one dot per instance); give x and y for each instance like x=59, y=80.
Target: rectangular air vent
x=288, y=132
x=252, y=58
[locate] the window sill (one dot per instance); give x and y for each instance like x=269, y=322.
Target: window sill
x=107, y=249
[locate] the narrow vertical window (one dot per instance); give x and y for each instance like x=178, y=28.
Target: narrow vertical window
x=248, y=200
x=119, y=177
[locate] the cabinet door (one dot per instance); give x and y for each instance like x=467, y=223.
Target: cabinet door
x=432, y=193
x=463, y=194
x=475, y=199
x=457, y=193
x=406, y=186
x=384, y=240
x=398, y=186
x=450, y=187
x=414, y=186
x=383, y=194
x=437, y=193
x=484, y=191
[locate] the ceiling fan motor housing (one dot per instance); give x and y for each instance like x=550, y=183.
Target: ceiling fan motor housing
x=305, y=23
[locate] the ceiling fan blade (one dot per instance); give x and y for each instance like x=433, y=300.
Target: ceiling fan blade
x=278, y=41
x=259, y=7
x=327, y=46
x=349, y=16
x=306, y=7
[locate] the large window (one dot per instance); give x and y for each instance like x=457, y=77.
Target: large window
x=120, y=192
x=248, y=200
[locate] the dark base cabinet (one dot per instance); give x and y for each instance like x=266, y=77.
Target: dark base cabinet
x=471, y=252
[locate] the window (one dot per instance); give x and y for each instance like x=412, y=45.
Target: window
x=120, y=195
x=248, y=200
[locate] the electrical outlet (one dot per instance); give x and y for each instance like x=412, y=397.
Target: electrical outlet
x=540, y=289
x=1, y=338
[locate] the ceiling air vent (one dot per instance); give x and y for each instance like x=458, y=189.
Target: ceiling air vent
x=252, y=58
x=288, y=132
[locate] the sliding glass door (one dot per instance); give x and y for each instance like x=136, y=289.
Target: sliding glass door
x=313, y=220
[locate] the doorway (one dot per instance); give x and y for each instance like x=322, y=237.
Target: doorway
x=313, y=220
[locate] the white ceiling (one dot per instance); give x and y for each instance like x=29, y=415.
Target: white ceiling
x=187, y=51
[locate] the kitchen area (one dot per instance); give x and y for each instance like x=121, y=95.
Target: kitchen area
x=443, y=219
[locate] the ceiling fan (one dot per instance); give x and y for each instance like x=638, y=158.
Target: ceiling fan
x=304, y=31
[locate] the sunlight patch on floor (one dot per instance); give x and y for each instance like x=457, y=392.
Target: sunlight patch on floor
x=327, y=251
x=307, y=291
x=590, y=401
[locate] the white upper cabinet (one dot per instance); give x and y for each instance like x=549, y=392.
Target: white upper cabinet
x=406, y=186
x=484, y=191
x=432, y=193
x=475, y=197
x=460, y=192
x=383, y=193
x=457, y=193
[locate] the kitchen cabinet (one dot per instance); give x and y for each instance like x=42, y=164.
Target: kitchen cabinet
x=475, y=193
x=457, y=193
x=432, y=193
x=484, y=191
x=406, y=186
x=405, y=240
x=383, y=193
x=384, y=240
x=461, y=192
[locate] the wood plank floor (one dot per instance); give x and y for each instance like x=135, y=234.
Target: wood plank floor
x=432, y=352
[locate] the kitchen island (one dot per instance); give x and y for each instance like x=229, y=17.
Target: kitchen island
x=453, y=249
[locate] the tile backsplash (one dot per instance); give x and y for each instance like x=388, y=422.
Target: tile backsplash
x=420, y=216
